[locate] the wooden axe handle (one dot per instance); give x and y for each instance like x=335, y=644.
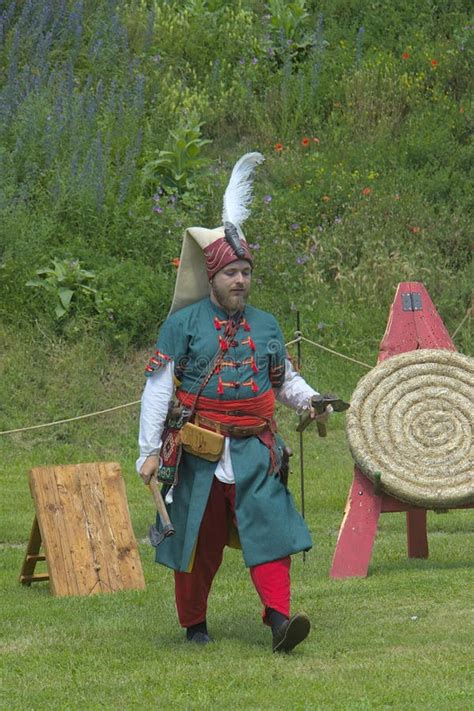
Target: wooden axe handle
x=160, y=504
x=322, y=429
x=306, y=420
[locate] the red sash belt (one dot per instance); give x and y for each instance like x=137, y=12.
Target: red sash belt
x=244, y=413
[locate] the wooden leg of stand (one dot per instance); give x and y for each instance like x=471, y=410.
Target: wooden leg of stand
x=27, y=575
x=417, y=538
x=358, y=530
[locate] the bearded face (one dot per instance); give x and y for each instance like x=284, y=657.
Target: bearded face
x=230, y=287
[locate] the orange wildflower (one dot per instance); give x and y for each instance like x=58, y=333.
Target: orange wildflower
x=279, y=147
x=366, y=191
x=434, y=63
x=405, y=55
x=305, y=142
x=325, y=198
x=415, y=230
x=175, y=262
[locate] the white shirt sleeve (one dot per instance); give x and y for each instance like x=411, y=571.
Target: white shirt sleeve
x=157, y=394
x=295, y=391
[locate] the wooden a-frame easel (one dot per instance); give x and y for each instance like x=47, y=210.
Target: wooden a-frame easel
x=82, y=522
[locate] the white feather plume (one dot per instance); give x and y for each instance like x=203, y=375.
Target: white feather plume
x=238, y=194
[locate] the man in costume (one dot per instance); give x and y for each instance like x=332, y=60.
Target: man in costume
x=207, y=427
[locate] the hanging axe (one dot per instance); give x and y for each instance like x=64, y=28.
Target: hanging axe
x=167, y=528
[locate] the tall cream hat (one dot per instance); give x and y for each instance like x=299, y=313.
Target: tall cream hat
x=192, y=279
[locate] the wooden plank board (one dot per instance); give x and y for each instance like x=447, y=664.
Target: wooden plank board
x=358, y=530
x=54, y=530
x=400, y=334
x=127, y=551
x=86, y=530
x=430, y=329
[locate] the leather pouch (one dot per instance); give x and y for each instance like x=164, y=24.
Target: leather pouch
x=202, y=443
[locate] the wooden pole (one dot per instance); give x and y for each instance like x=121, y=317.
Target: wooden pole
x=298, y=351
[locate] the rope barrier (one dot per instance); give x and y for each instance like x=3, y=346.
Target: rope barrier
x=341, y=355
x=70, y=419
x=299, y=337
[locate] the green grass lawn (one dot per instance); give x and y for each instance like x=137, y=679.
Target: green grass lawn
x=363, y=112
x=399, y=639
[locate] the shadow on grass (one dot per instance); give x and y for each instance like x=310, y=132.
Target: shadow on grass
x=411, y=564
x=246, y=631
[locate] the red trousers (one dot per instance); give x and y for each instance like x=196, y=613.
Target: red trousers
x=271, y=580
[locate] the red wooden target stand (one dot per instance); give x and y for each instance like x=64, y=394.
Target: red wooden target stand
x=413, y=323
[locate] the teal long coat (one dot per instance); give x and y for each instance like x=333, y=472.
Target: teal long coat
x=269, y=526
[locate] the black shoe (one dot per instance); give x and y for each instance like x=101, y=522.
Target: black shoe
x=198, y=633
x=199, y=638
x=291, y=633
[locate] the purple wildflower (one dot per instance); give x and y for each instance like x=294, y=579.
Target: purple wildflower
x=254, y=60
x=158, y=209
x=337, y=220
x=254, y=246
x=295, y=226
x=267, y=199
x=313, y=248
x=302, y=260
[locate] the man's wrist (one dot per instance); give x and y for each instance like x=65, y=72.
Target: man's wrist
x=306, y=404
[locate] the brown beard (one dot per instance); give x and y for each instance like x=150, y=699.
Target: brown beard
x=230, y=302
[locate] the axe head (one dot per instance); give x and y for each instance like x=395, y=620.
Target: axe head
x=320, y=403
x=156, y=537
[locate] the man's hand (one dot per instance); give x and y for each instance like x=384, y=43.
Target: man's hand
x=313, y=412
x=149, y=467
x=320, y=419
x=323, y=417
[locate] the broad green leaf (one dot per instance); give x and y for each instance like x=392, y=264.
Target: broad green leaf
x=65, y=296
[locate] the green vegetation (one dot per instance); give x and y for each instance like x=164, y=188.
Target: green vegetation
x=120, y=123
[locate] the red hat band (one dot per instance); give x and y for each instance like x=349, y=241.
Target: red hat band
x=220, y=253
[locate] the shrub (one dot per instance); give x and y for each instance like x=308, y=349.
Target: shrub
x=367, y=104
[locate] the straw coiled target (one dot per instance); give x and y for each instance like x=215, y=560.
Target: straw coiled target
x=411, y=419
